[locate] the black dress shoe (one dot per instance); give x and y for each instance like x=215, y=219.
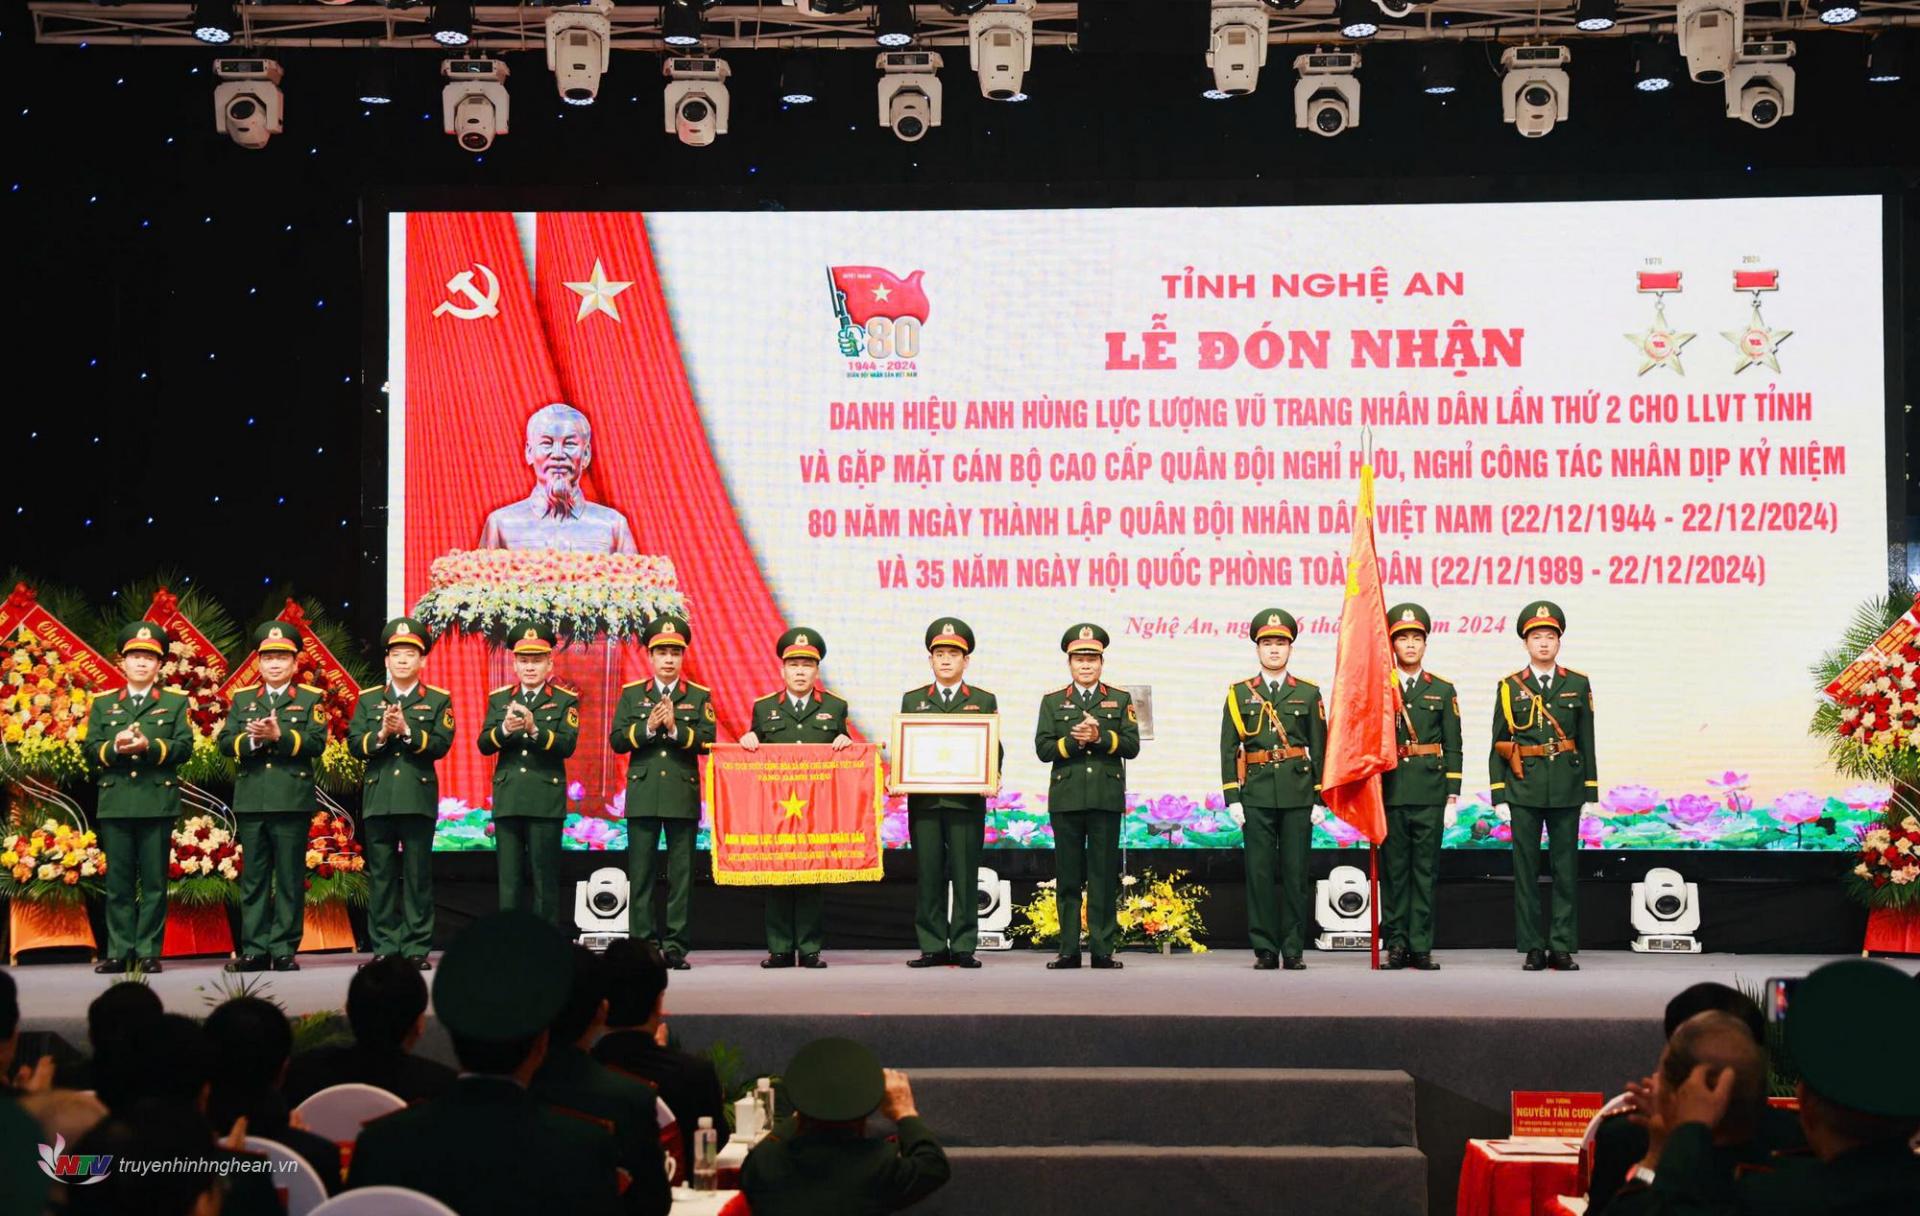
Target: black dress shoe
x=813, y=962
x=289, y=963
x=1536, y=961
x=150, y=966
x=678, y=962
x=1266, y=960
x=378, y=958
x=1293, y=962
x=965, y=961
x=1560, y=960
x=111, y=966
x=1421, y=960
x=1066, y=962
x=773, y=961
x=1106, y=963
x=247, y=962
x=421, y=963
x=929, y=960
x=1396, y=959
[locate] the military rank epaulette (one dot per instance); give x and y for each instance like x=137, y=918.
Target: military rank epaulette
x=316, y=691
x=497, y=691
x=701, y=687
x=246, y=688
x=1063, y=690
x=1573, y=672
x=635, y=684
x=1435, y=676
x=1304, y=680
x=436, y=688
x=369, y=690
x=772, y=696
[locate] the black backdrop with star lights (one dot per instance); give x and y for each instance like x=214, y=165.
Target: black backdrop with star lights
x=187, y=355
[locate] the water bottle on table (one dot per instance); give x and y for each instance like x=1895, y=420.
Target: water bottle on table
x=706, y=1153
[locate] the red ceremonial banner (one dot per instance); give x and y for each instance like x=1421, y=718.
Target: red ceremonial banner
x=165, y=612
x=1564, y=1116
x=315, y=661
x=23, y=611
x=1360, y=737
x=787, y=814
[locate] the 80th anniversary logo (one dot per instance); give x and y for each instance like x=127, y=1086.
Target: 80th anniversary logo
x=879, y=316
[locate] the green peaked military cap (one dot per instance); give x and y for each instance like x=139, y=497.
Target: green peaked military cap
x=1084, y=638
x=405, y=631
x=276, y=637
x=1831, y=1011
x=529, y=636
x=801, y=642
x=835, y=1080
x=1402, y=617
x=146, y=636
x=1273, y=623
x=950, y=631
x=668, y=630
x=504, y=978
x=1540, y=614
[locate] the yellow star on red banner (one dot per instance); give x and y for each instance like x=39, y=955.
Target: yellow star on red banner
x=597, y=293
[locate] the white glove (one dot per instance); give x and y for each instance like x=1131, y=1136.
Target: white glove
x=1319, y=815
x=1239, y=814
x=1451, y=815
x=1589, y=808
x=1501, y=812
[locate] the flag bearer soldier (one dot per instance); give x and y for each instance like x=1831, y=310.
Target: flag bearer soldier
x=275, y=731
x=1544, y=772
x=1273, y=743
x=1088, y=732
x=532, y=725
x=401, y=729
x=802, y=713
x=1420, y=792
x=136, y=738
x=664, y=724
x=948, y=830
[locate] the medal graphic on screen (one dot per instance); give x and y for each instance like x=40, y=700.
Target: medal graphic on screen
x=1659, y=345
x=1756, y=343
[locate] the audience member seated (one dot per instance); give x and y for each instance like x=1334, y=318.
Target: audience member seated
x=387, y=1008
x=153, y=1130
x=488, y=1147
x=821, y=1162
x=112, y=1019
x=252, y=1042
x=636, y=1041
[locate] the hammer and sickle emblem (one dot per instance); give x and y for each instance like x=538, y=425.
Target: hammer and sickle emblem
x=483, y=303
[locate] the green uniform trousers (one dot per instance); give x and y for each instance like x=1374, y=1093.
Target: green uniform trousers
x=796, y=919
x=946, y=859
x=136, y=852
x=1278, y=899
x=273, y=884
x=1086, y=847
x=643, y=859
x=1408, y=860
x=1563, y=841
x=400, y=883
x=529, y=851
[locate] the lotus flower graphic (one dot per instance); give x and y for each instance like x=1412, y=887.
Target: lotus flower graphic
x=55, y=1163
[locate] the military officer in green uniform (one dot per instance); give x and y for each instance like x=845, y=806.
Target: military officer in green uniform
x=821, y=1162
x=401, y=728
x=532, y=725
x=1088, y=732
x=948, y=831
x=136, y=738
x=805, y=712
x=1544, y=771
x=1273, y=744
x=664, y=725
x=275, y=732
x=1420, y=792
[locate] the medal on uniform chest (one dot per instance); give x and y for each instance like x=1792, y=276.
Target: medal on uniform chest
x=1659, y=344
x=1756, y=343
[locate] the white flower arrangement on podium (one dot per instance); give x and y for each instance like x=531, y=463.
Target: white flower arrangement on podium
x=582, y=595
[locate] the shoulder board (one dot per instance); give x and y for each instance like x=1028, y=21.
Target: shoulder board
x=634, y=684
x=178, y=692
x=317, y=691
x=701, y=687
x=245, y=688
x=368, y=691
x=1570, y=671
x=497, y=691
x=1520, y=676
x=1305, y=681
x=436, y=688
x=1438, y=679
x=569, y=1112
x=772, y=696
x=1064, y=688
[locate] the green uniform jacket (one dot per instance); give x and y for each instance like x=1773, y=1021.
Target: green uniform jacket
x=1434, y=713
x=1087, y=777
x=140, y=785
x=824, y=720
x=574, y=1083
x=835, y=1172
x=530, y=778
x=275, y=777
x=1521, y=713
x=663, y=776
x=1693, y=1181
x=1294, y=718
x=400, y=775
x=967, y=700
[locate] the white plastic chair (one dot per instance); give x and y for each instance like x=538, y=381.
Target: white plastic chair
x=300, y=1188
x=1583, y=1171
x=383, y=1201
x=338, y=1112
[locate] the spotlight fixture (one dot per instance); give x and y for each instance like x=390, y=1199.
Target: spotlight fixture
x=474, y=101
x=1837, y=12
x=909, y=92
x=696, y=98
x=1534, y=91
x=1656, y=65
x=452, y=23
x=1342, y=906
x=1358, y=19
x=1665, y=911
x=600, y=907
x=580, y=49
x=1239, y=48
x=1595, y=16
x=1760, y=87
x=247, y=104
x=1283, y=6
x=1000, y=48
x=1439, y=68
x=995, y=908
x=893, y=22
x=1884, y=61
x=679, y=24
x=1709, y=33
x=800, y=79
x=1326, y=98
x=376, y=77
x=963, y=8
x=213, y=21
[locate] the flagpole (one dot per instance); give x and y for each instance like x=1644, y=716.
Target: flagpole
x=1373, y=898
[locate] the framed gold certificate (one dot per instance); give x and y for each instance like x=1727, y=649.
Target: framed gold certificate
x=946, y=753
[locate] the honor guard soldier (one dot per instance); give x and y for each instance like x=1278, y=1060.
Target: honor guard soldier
x=401, y=729
x=948, y=830
x=1420, y=792
x=1088, y=732
x=803, y=713
x=664, y=724
x=1544, y=771
x=1273, y=743
x=532, y=725
x=275, y=732
x=136, y=738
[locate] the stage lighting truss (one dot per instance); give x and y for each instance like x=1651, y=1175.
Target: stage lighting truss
x=580, y=49
x=1326, y=97
x=1760, y=87
x=1534, y=92
x=1238, y=48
